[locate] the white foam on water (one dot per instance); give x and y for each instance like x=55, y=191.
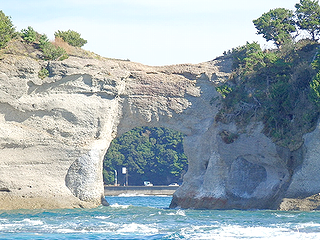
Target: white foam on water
x=14, y=225
x=178, y=212
x=250, y=232
x=102, y=217
x=67, y=230
x=104, y=227
x=116, y=205
x=154, y=214
x=282, y=215
x=309, y=224
x=138, y=228
x=32, y=222
x=70, y=230
x=233, y=232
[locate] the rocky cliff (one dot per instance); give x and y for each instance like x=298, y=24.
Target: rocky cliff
x=55, y=131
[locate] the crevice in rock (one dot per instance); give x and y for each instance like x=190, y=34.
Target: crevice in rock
x=5, y=190
x=188, y=75
x=206, y=165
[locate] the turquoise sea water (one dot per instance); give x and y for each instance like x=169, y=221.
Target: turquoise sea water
x=147, y=217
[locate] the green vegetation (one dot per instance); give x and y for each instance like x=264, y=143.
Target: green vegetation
x=65, y=42
x=71, y=37
x=50, y=51
x=279, y=87
x=7, y=30
x=276, y=25
x=281, y=25
x=307, y=14
x=30, y=35
x=43, y=73
x=150, y=154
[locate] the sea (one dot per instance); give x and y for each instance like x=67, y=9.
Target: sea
x=148, y=217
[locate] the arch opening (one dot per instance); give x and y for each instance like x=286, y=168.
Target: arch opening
x=149, y=154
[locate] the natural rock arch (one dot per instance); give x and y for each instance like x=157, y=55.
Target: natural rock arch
x=55, y=132
x=155, y=99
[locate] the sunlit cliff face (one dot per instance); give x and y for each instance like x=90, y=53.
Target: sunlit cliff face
x=56, y=130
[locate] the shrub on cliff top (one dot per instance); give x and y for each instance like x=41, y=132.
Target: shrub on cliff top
x=7, y=29
x=30, y=35
x=50, y=51
x=71, y=37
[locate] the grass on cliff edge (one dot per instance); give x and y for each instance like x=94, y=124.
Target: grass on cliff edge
x=19, y=47
x=279, y=87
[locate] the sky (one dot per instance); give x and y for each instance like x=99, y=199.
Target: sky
x=152, y=32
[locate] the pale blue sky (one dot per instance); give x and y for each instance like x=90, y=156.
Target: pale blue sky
x=153, y=32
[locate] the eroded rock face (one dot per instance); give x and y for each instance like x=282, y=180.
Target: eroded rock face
x=247, y=173
x=55, y=131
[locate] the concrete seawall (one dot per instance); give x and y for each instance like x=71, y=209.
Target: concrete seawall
x=137, y=190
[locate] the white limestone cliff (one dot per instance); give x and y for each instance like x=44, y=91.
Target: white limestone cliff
x=55, y=131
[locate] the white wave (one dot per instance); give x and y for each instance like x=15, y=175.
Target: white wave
x=71, y=230
x=154, y=214
x=137, y=228
x=309, y=224
x=284, y=215
x=178, y=212
x=32, y=222
x=116, y=205
x=233, y=232
x=102, y=217
x=104, y=227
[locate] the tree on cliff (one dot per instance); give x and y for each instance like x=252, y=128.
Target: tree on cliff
x=308, y=17
x=30, y=35
x=276, y=25
x=7, y=29
x=153, y=154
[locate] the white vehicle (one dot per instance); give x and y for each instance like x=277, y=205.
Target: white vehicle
x=146, y=183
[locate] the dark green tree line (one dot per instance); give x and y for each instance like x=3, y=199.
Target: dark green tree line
x=149, y=154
